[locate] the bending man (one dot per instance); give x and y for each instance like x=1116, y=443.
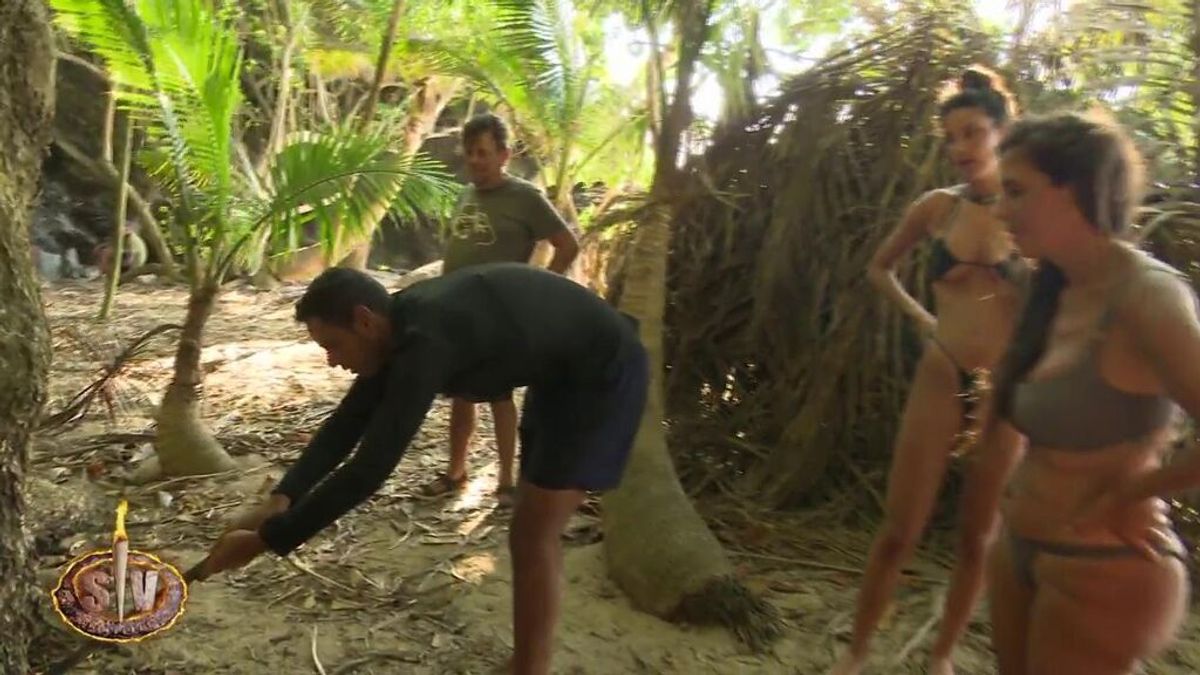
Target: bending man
x=470, y=334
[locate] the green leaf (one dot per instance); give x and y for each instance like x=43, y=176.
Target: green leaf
x=343, y=183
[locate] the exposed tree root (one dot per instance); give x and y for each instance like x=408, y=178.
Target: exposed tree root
x=726, y=602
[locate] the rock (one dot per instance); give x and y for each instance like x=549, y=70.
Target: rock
x=60, y=247
x=422, y=273
x=147, y=471
x=47, y=264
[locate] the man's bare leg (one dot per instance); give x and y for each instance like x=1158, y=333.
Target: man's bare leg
x=462, y=427
x=504, y=421
x=535, y=543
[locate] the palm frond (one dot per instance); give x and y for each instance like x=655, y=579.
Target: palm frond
x=114, y=31
x=199, y=61
x=179, y=65
x=79, y=404
x=537, y=37
x=1130, y=55
x=343, y=183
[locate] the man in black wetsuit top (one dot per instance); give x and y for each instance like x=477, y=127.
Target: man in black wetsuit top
x=472, y=334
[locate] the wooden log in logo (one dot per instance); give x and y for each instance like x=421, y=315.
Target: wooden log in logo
x=85, y=592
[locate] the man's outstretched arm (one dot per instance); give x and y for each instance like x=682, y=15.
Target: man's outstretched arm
x=335, y=438
x=412, y=381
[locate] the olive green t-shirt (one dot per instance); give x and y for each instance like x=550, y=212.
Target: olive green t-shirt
x=501, y=224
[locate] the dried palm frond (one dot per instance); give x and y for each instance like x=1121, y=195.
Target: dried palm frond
x=102, y=387
x=774, y=339
x=774, y=334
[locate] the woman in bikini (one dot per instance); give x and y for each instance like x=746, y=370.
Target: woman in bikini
x=973, y=271
x=1088, y=577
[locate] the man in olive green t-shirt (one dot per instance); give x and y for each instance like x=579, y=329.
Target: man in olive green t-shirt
x=499, y=218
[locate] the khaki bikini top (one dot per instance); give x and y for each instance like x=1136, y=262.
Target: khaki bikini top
x=1079, y=410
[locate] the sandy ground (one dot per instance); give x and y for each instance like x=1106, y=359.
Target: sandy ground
x=403, y=585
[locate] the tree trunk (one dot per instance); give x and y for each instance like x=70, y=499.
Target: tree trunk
x=385, y=53
x=184, y=444
x=660, y=551
x=1196, y=89
x=360, y=247
x=641, y=548
x=118, y=237
x=26, y=108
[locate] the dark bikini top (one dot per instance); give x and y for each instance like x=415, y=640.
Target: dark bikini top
x=942, y=260
x=1079, y=410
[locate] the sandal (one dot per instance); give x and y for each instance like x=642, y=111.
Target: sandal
x=506, y=496
x=443, y=484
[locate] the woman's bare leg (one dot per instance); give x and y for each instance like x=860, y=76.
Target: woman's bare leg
x=1010, y=602
x=932, y=419
x=966, y=585
x=1102, y=616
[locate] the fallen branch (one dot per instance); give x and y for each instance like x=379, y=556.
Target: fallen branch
x=317, y=575
x=820, y=565
x=858, y=475
x=316, y=659
x=795, y=561
x=79, y=404
x=349, y=666
x=919, y=637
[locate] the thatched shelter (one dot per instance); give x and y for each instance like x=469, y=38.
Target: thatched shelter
x=788, y=368
x=788, y=371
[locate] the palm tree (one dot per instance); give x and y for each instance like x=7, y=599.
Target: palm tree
x=338, y=42
x=659, y=549
x=26, y=110
x=177, y=63
x=543, y=66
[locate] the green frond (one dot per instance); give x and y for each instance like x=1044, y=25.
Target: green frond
x=114, y=32
x=343, y=183
x=545, y=55
x=199, y=61
x=178, y=68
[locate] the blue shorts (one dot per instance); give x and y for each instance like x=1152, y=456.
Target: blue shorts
x=579, y=439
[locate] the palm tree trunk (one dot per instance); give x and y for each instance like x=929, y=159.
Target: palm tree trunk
x=1195, y=43
x=660, y=551
x=385, y=53
x=184, y=444
x=118, y=238
x=26, y=108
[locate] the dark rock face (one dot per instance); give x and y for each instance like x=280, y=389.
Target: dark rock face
x=76, y=210
x=61, y=249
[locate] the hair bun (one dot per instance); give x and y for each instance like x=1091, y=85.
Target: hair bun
x=974, y=79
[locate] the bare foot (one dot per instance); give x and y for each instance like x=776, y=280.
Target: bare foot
x=941, y=665
x=849, y=664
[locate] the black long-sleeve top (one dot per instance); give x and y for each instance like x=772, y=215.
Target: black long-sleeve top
x=474, y=334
